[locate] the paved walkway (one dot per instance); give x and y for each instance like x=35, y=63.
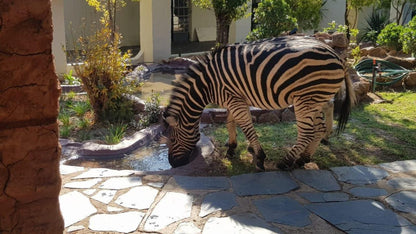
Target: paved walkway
x=358, y=199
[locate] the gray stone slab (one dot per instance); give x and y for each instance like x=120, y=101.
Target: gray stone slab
x=368, y=192
x=360, y=216
x=171, y=208
x=217, y=201
x=187, y=228
x=403, y=183
x=283, y=210
x=105, y=196
x=138, y=198
x=236, y=224
x=318, y=179
x=263, y=183
x=65, y=169
x=336, y=197
x=313, y=196
x=324, y=197
x=121, y=183
x=400, y=166
x=75, y=207
x=103, y=172
x=202, y=183
x=123, y=222
x=82, y=184
x=404, y=201
x=360, y=175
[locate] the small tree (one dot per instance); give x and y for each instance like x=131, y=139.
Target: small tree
x=306, y=12
x=226, y=11
x=356, y=6
x=272, y=17
x=399, y=7
x=408, y=37
x=102, y=66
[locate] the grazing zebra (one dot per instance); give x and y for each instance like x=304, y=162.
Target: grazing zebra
x=269, y=74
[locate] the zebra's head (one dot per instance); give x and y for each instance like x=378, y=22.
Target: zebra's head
x=181, y=141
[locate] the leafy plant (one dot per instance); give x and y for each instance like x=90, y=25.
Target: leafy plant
x=306, y=12
x=408, y=37
x=115, y=133
x=80, y=108
x=104, y=65
x=65, y=131
x=225, y=13
x=375, y=23
x=152, y=108
x=64, y=118
x=272, y=17
x=390, y=36
x=356, y=54
x=70, y=80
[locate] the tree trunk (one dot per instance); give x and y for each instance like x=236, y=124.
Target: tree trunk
x=223, y=30
x=346, y=14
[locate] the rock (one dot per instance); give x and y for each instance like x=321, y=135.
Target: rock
x=288, y=115
x=361, y=88
x=378, y=52
x=408, y=63
x=339, y=40
x=322, y=35
x=273, y=116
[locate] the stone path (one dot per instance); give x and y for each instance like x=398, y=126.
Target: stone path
x=358, y=199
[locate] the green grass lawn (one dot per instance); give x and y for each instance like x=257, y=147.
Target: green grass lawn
x=376, y=133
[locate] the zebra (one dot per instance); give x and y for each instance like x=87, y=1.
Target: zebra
x=268, y=74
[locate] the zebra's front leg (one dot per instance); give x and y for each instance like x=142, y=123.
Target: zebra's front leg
x=241, y=114
x=311, y=127
x=232, y=136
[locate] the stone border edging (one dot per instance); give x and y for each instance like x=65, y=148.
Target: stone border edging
x=138, y=139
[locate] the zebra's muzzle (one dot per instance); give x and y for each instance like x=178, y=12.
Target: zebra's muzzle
x=177, y=161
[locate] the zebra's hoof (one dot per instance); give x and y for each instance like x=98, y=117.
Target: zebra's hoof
x=325, y=142
x=230, y=153
x=287, y=165
x=260, y=168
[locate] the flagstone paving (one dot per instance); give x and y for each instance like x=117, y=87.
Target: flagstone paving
x=358, y=199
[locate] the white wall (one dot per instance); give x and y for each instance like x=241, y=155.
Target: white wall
x=58, y=42
x=201, y=18
x=78, y=13
x=334, y=10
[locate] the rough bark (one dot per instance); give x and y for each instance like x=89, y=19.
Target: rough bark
x=29, y=148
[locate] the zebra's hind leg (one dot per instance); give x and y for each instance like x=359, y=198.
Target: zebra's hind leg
x=328, y=111
x=311, y=127
x=232, y=136
x=241, y=114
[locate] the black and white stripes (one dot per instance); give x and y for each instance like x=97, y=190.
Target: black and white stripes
x=269, y=74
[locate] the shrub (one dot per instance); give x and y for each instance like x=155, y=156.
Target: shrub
x=390, y=36
x=375, y=23
x=408, y=37
x=104, y=66
x=115, y=133
x=272, y=17
x=80, y=108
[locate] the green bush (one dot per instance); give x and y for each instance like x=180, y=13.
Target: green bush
x=102, y=66
x=408, y=37
x=272, y=17
x=375, y=23
x=390, y=36
x=115, y=134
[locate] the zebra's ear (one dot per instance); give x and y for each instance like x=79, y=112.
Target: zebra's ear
x=171, y=121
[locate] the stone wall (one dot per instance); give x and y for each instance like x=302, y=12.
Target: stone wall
x=29, y=149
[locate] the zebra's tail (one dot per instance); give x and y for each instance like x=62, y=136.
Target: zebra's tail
x=346, y=105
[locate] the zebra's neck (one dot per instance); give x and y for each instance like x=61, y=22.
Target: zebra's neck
x=189, y=98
